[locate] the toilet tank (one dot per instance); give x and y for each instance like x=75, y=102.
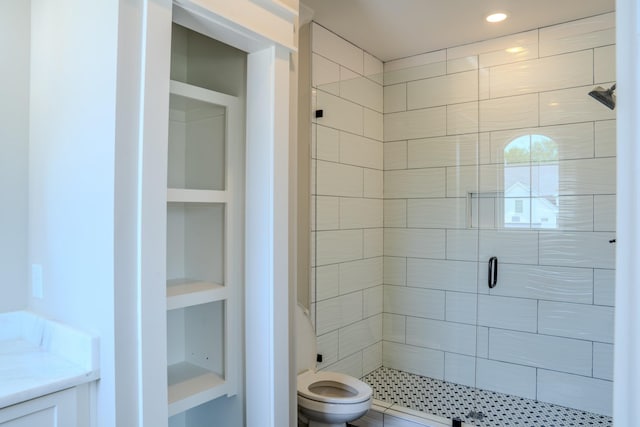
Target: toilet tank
x=306, y=348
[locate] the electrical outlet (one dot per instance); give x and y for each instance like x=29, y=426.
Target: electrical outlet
x=37, y=287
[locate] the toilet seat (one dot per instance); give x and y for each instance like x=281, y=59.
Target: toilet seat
x=328, y=399
x=332, y=387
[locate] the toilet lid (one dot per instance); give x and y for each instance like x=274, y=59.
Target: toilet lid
x=332, y=387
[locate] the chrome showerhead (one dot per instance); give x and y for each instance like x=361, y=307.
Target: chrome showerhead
x=605, y=96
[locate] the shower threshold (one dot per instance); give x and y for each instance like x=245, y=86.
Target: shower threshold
x=473, y=406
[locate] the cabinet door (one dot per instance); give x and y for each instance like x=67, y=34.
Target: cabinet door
x=53, y=410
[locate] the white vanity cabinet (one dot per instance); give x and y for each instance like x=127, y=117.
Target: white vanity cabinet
x=48, y=372
x=68, y=408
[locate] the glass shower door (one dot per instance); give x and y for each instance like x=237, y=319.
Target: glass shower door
x=545, y=220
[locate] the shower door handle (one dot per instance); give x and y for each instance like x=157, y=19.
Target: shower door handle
x=493, y=272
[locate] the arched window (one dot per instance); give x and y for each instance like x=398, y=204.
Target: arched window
x=530, y=197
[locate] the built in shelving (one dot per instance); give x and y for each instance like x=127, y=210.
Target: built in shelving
x=203, y=254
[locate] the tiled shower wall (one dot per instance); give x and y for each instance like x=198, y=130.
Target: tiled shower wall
x=450, y=191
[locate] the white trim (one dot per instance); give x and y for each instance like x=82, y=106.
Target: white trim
x=241, y=24
x=267, y=295
x=283, y=295
x=127, y=220
x=279, y=8
x=627, y=314
x=152, y=340
x=259, y=251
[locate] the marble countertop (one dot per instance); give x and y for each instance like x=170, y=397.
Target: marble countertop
x=40, y=356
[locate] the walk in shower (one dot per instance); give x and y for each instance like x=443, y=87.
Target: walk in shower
x=463, y=224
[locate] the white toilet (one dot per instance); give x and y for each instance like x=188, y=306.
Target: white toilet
x=325, y=399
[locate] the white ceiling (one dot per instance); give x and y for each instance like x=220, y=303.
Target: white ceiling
x=391, y=29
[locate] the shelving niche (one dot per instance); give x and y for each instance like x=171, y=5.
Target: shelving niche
x=204, y=231
x=196, y=356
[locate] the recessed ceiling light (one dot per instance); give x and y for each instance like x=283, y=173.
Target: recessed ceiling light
x=516, y=49
x=496, y=17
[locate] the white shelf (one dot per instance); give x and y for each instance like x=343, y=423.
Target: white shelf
x=205, y=95
x=179, y=195
x=190, y=386
x=186, y=293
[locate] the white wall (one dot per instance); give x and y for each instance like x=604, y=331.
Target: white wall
x=627, y=353
x=346, y=189
x=71, y=165
x=14, y=134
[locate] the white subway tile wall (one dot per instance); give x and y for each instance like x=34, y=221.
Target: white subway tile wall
x=424, y=172
x=415, y=359
x=459, y=369
x=575, y=391
x=499, y=376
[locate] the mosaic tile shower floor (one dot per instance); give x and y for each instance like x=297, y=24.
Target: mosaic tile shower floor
x=453, y=400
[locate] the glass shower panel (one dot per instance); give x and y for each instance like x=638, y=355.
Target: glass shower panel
x=434, y=208
x=347, y=217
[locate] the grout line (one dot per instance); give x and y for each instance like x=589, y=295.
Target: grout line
x=593, y=286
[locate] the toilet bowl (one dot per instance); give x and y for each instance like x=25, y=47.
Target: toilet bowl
x=325, y=399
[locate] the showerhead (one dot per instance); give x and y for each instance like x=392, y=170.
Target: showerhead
x=605, y=96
